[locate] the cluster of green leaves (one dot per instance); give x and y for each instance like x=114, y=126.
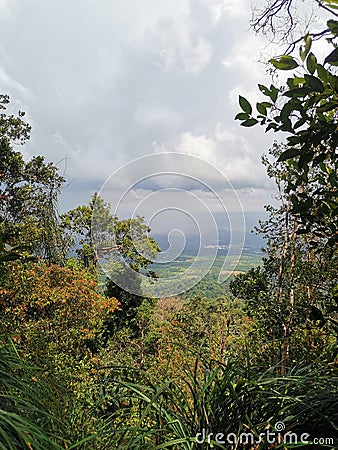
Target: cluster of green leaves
x=98, y=233
x=12, y=126
x=305, y=108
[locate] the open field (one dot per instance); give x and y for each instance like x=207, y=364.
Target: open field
x=215, y=282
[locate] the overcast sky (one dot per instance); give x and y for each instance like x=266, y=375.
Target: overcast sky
x=104, y=82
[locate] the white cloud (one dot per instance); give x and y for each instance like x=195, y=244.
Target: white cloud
x=106, y=82
x=150, y=115
x=232, y=8
x=228, y=151
x=182, y=49
x=4, y=7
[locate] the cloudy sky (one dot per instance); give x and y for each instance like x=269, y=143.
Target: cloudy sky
x=104, y=82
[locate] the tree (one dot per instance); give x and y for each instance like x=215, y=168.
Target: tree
x=13, y=127
x=28, y=193
x=279, y=20
x=77, y=225
x=292, y=295
x=123, y=246
x=96, y=232
x=52, y=310
x=305, y=107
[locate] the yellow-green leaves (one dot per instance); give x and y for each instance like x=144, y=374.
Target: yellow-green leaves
x=304, y=50
x=285, y=62
x=331, y=3
x=311, y=63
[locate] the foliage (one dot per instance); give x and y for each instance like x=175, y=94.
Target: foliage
x=124, y=241
x=13, y=128
x=38, y=411
x=166, y=334
x=199, y=362
x=123, y=248
x=59, y=303
x=77, y=225
x=305, y=108
x=291, y=298
x=220, y=398
x=55, y=317
x=25, y=421
x=28, y=194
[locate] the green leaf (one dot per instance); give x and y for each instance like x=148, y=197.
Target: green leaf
x=274, y=92
x=271, y=126
x=264, y=89
x=293, y=140
x=242, y=116
x=314, y=83
x=329, y=106
x=323, y=74
x=285, y=62
x=311, y=63
x=298, y=92
x=319, y=159
x=249, y=123
x=303, y=51
x=286, y=110
x=291, y=83
x=245, y=105
x=289, y=153
x=305, y=159
x=300, y=123
x=332, y=58
x=261, y=108
x=287, y=125
x=298, y=81
x=333, y=26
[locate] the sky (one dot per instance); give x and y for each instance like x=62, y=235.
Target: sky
x=118, y=89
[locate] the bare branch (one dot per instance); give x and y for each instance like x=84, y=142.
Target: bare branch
x=314, y=37
x=266, y=19
x=279, y=19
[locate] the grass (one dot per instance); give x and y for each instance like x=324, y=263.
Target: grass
x=142, y=412
x=245, y=262
x=224, y=398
